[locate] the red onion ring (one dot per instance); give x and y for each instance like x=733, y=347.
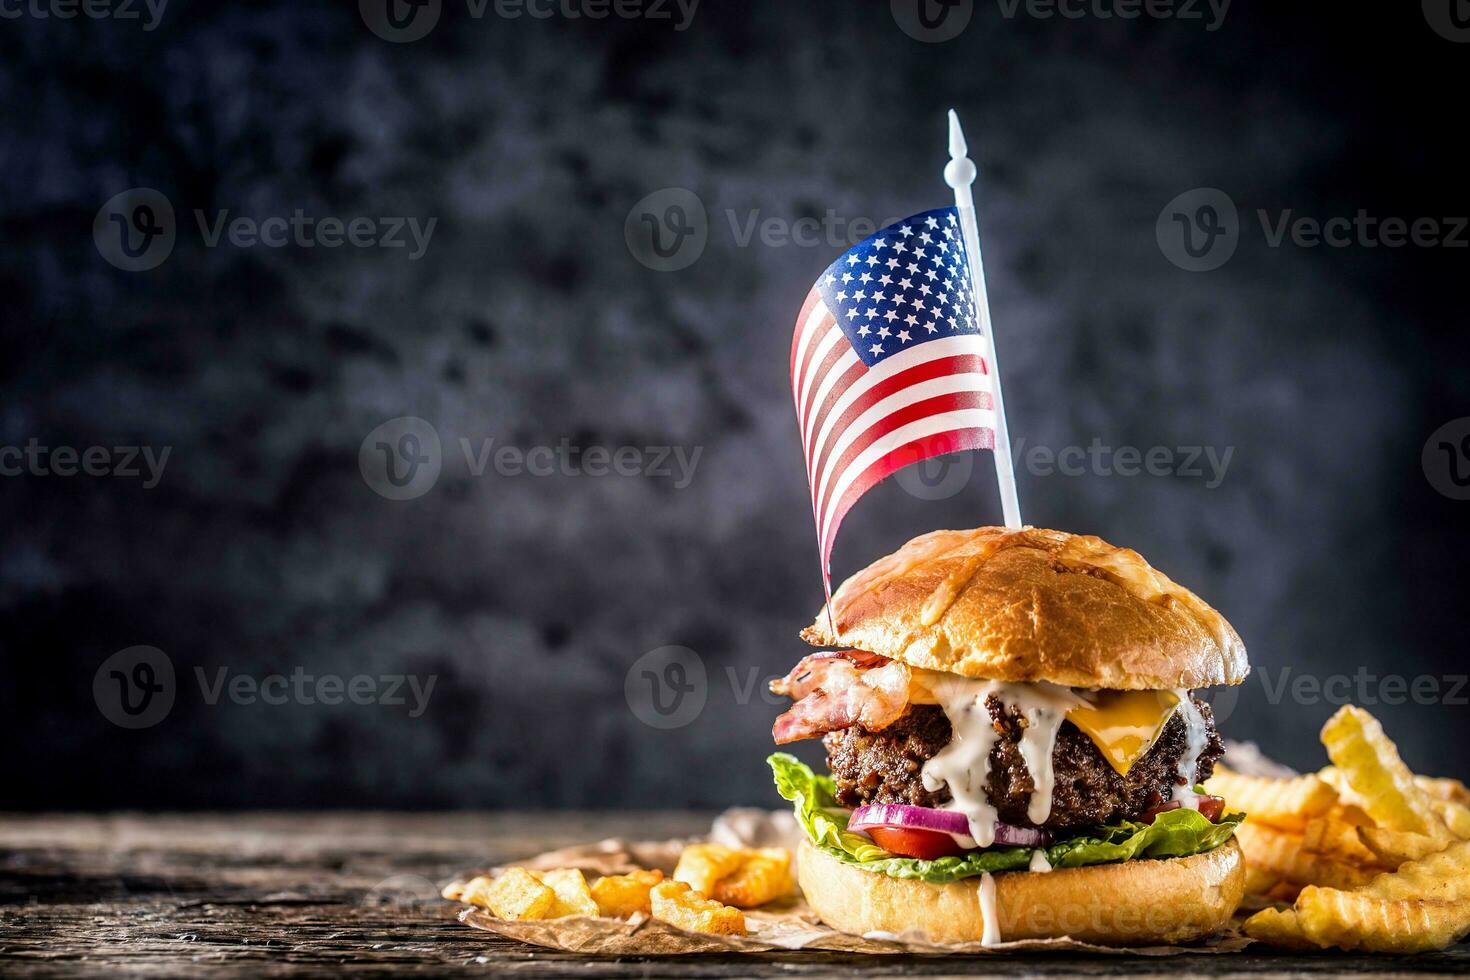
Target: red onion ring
x=940, y=821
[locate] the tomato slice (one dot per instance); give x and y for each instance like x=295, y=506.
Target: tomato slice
x=1210, y=807
x=925, y=845
x=1213, y=807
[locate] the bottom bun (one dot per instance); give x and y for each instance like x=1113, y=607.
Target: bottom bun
x=1133, y=903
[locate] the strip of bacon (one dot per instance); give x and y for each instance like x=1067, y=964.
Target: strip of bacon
x=808, y=675
x=836, y=691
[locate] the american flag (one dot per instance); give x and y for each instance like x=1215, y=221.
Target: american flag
x=888, y=365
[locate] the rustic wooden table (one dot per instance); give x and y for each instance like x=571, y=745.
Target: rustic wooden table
x=263, y=895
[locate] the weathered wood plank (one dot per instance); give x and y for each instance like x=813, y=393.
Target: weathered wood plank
x=270, y=894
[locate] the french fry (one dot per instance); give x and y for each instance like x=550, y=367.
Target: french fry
x=1441, y=877
x=1279, y=927
x=1335, y=834
x=1445, y=788
x=1453, y=815
x=765, y=875
x=1360, y=921
x=1394, y=847
x=675, y=903
x=516, y=894
x=1369, y=762
x=619, y=896
x=701, y=865
x=1284, y=803
x=1281, y=853
x=572, y=894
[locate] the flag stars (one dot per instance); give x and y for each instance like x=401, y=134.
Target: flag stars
x=931, y=222
x=930, y=326
x=875, y=349
x=884, y=332
x=906, y=231
x=903, y=335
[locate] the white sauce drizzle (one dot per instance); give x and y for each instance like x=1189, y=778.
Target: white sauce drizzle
x=990, y=934
x=1039, y=861
x=964, y=764
x=1196, y=737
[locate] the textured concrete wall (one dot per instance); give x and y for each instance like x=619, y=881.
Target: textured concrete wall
x=269, y=542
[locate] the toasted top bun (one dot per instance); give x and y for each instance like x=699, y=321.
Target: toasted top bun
x=1143, y=902
x=1033, y=605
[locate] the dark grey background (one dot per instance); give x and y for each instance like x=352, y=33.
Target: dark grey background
x=263, y=548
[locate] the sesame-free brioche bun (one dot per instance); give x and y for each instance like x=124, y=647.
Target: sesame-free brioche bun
x=1132, y=903
x=1033, y=605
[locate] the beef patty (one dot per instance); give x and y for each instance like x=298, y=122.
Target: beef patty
x=884, y=767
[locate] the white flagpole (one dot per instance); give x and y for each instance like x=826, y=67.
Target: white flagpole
x=959, y=173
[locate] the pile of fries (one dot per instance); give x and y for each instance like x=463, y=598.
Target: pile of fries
x=1370, y=856
x=710, y=886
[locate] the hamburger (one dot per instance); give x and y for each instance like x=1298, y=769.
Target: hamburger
x=1014, y=745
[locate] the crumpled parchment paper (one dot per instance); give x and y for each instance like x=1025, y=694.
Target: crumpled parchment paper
x=788, y=925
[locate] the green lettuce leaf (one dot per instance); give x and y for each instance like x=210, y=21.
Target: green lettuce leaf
x=1174, y=833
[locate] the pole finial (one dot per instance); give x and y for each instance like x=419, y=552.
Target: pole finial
x=960, y=171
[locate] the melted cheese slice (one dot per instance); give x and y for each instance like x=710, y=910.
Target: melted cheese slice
x=1123, y=724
